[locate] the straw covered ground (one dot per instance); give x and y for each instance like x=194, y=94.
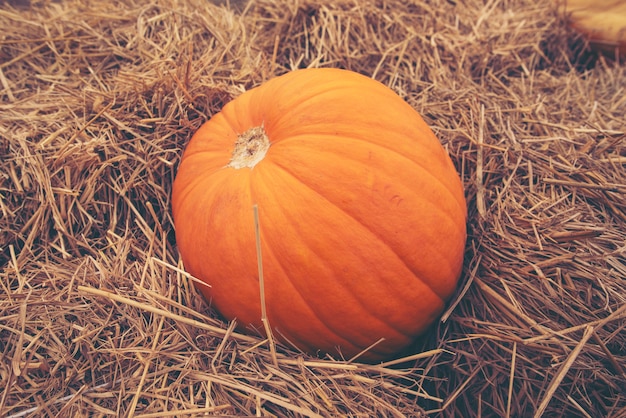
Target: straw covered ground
x=98, y=100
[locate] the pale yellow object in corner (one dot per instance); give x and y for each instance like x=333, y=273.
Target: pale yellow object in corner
x=602, y=21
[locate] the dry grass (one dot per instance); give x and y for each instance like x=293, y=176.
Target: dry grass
x=98, y=100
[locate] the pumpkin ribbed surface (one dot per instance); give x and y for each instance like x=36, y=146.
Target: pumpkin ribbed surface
x=362, y=214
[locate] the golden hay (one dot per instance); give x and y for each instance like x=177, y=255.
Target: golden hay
x=97, y=103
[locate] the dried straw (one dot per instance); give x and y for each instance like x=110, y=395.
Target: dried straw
x=98, y=100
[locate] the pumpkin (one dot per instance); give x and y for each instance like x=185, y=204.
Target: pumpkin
x=361, y=214
x=603, y=22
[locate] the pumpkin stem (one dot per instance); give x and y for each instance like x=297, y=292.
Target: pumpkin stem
x=250, y=148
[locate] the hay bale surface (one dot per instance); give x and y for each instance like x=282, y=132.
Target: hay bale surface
x=97, y=103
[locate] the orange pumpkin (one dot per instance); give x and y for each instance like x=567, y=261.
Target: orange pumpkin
x=362, y=213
